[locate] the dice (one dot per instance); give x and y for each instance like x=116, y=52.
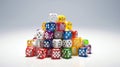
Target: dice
x=39, y=43
x=49, y=52
x=74, y=34
x=82, y=52
x=66, y=53
x=52, y=17
x=58, y=34
x=39, y=34
x=85, y=42
x=29, y=43
x=67, y=35
x=48, y=35
x=67, y=43
x=60, y=26
x=43, y=26
x=74, y=51
x=68, y=25
x=77, y=42
x=30, y=51
x=88, y=49
x=56, y=53
x=47, y=43
x=61, y=18
x=50, y=26
x=57, y=43
x=41, y=53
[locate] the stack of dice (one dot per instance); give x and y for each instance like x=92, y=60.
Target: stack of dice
x=56, y=39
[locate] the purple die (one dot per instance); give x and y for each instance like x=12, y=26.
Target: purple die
x=48, y=35
x=88, y=49
x=50, y=26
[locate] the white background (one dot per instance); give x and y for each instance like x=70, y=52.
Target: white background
x=96, y=20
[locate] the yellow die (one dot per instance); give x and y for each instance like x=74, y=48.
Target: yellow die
x=61, y=18
x=68, y=25
x=74, y=51
x=43, y=26
x=29, y=43
x=77, y=42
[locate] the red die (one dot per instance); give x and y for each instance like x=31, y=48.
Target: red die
x=60, y=26
x=41, y=53
x=30, y=51
x=74, y=34
x=56, y=53
x=49, y=52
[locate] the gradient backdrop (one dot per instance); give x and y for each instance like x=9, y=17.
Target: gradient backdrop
x=96, y=20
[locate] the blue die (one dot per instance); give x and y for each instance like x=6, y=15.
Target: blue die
x=82, y=52
x=67, y=35
x=50, y=26
x=47, y=43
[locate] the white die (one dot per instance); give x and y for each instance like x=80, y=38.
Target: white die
x=67, y=43
x=52, y=17
x=57, y=43
x=39, y=34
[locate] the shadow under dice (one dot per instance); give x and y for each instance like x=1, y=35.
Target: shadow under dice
x=67, y=35
x=50, y=26
x=47, y=43
x=48, y=35
x=67, y=43
x=66, y=53
x=42, y=53
x=57, y=43
x=56, y=53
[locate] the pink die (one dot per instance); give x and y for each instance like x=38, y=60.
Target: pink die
x=48, y=35
x=88, y=49
x=56, y=53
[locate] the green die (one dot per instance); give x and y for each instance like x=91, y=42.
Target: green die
x=66, y=53
x=85, y=42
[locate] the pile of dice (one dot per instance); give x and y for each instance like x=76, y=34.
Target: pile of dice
x=56, y=39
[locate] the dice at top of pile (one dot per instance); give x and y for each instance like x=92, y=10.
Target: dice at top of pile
x=57, y=39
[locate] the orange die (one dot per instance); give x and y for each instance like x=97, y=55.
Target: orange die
x=43, y=26
x=29, y=42
x=77, y=42
x=74, y=51
x=74, y=34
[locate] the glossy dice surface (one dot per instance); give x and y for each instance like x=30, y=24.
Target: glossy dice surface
x=43, y=26
x=67, y=43
x=30, y=51
x=61, y=18
x=68, y=25
x=48, y=35
x=52, y=17
x=47, y=43
x=77, y=42
x=66, y=53
x=58, y=34
x=74, y=34
x=56, y=53
x=41, y=53
x=67, y=35
x=60, y=26
x=57, y=43
x=74, y=51
x=50, y=26
x=82, y=52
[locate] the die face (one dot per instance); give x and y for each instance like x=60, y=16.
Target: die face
x=68, y=25
x=56, y=53
x=58, y=34
x=88, y=49
x=48, y=35
x=47, y=43
x=77, y=42
x=43, y=26
x=67, y=43
x=85, y=42
x=74, y=51
x=67, y=35
x=42, y=53
x=50, y=26
x=39, y=34
x=52, y=17
x=66, y=53
x=29, y=43
x=61, y=18
x=57, y=43
x=74, y=34
x=60, y=26
x=82, y=52
x=30, y=51
x=39, y=43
